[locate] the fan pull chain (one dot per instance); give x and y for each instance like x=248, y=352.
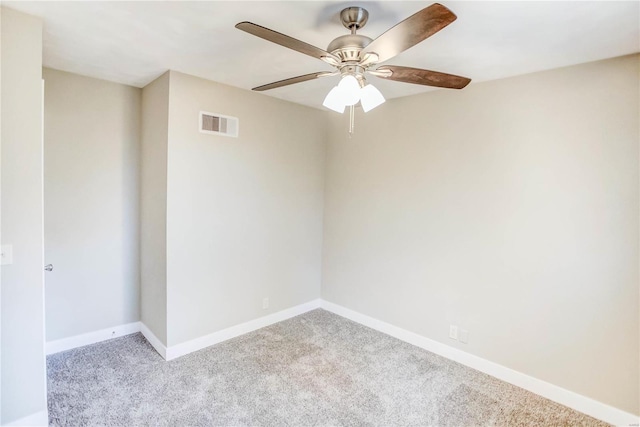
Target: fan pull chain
x=352, y=119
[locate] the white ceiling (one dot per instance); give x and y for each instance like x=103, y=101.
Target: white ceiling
x=135, y=42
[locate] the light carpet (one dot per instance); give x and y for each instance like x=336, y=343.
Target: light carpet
x=314, y=369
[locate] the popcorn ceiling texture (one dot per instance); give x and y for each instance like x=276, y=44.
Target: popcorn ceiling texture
x=314, y=369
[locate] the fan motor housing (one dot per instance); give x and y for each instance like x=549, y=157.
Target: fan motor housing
x=349, y=46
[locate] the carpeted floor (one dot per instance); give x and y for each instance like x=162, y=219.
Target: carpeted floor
x=314, y=369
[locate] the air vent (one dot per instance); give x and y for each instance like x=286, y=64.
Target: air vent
x=218, y=124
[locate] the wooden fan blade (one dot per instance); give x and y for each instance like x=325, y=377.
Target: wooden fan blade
x=286, y=41
x=411, y=31
x=424, y=77
x=292, y=80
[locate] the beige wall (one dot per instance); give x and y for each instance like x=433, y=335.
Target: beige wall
x=91, y=157
x=509, y=209
x=153, y=206
x=244, y=215
x=23, y=364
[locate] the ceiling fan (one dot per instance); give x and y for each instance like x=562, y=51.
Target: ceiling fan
x=354, y=55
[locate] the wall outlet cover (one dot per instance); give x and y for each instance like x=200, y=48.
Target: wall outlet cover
x=265, y=303
x=453, y=332
x=464, y=336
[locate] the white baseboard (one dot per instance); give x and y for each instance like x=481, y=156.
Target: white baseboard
x=182, y=349
x=91, y=337
x=558, y=394
x=38, y=419
x=241, y=329
x=153, y=340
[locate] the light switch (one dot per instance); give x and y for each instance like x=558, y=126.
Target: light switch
x=6, y=254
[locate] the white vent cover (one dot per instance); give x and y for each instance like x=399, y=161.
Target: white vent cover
x=219, y=124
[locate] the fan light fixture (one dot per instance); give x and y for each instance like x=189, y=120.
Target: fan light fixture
x=348, y=92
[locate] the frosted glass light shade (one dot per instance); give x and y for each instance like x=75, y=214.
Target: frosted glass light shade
x=334, y=101
x=349, y=90
x=370, y=97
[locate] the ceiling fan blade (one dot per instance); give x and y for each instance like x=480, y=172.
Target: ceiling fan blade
x=293, y=80
x=411, y=31
x=422, y=77
x=286, y=41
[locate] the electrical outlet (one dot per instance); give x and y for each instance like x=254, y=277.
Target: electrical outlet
x=6, y=254
x=265, y=303
x=453, y=332
x=464, y=336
